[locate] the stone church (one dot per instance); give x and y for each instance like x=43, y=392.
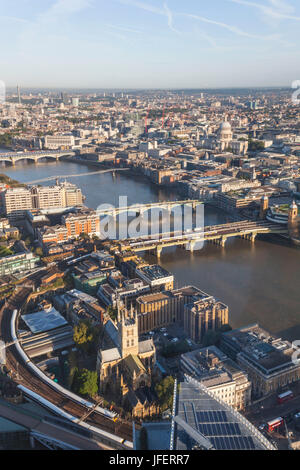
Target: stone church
x=125, y=370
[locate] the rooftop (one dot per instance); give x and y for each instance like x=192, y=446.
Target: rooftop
x=267, y=352
x=44, y=320
x=206, y=421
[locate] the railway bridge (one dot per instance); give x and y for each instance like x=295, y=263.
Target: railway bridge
x=217, y=234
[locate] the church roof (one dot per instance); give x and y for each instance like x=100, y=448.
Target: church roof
x=112, y=332
x=146, y=346
x=110, y=355
x=134, y=364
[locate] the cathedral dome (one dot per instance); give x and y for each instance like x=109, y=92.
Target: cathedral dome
x=225, y=126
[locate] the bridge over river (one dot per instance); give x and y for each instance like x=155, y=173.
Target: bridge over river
x=217, y=234
x=13, y=157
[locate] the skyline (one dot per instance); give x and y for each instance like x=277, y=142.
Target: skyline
x=130, y=44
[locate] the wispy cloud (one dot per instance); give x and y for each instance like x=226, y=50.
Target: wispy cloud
x=232, y=29
x=14, y=19
x=165, y=11
x=62, y=7
x=277, y=9
x=169, y=15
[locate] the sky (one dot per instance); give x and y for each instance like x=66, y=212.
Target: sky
x=149, y=44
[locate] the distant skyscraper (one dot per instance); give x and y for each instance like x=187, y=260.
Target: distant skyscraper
x=19, y=94
x=75, y=102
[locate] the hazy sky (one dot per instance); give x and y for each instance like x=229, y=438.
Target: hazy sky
x=151, y=43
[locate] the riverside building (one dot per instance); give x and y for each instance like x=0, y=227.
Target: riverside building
x=268, y=360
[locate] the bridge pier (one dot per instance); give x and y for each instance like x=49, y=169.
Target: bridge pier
x=158, y=252
x=190, y=246
x=223, y=241
x=251, y=237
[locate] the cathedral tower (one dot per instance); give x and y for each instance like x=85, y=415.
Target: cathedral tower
x=128, y=333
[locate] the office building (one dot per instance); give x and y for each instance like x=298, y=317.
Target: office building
x=156, y=277
x=204, y=315
x=219, y=374
x=56, y=142
x=18, y=263
x=268, y=360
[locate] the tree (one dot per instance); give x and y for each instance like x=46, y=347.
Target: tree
x=165, y=390
x=112, y=312
x=83, y=335
x=38, y=251
x=255, y=145
x=85, y=382
x=5, y=251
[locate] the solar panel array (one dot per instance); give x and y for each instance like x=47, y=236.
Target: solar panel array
x=233, y=443
x=225, y=429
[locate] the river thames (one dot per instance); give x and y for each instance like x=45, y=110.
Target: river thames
x=259, y=282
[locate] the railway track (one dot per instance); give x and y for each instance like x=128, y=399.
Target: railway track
x=21, y=375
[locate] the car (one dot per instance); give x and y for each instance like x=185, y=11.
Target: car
x=262, y=427
x=166, y=334
x=163, y=330
x=175, y=340
x=151, y=333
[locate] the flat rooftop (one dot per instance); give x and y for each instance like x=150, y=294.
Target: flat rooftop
x=155, y=272
x=267, y=351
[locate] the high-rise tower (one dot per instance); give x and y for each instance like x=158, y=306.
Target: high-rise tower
x=19, y=94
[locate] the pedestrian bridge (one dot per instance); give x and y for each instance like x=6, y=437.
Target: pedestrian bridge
x=142, y=208
x=14, y=157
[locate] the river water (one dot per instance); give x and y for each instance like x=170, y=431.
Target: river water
x=259, y=282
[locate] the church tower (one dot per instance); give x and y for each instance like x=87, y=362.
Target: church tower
x=128, y=333
x=264, y=206
x=293, y=212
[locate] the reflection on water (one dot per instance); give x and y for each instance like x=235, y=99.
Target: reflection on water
x=259, y=282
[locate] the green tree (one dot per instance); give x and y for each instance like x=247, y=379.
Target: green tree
x=85, y=382
x=4, y=251
x=83, y=335
x=112, y=312
x=164, y=392
x=38, y=251
x=86, y=336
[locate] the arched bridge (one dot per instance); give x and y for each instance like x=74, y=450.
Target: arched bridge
x=13, y=157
